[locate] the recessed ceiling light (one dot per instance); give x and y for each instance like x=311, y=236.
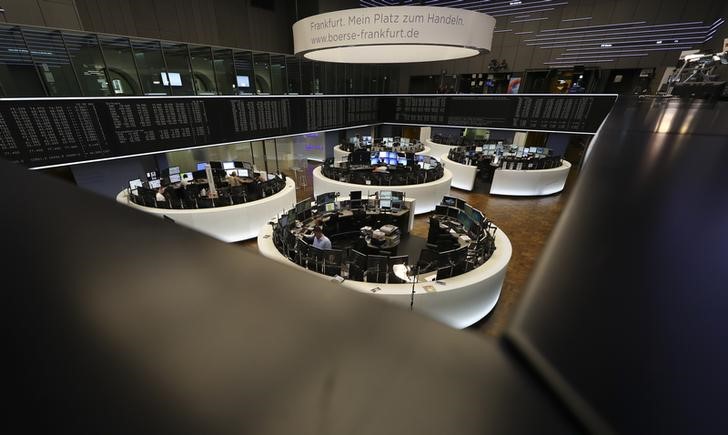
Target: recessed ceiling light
x=658, y=42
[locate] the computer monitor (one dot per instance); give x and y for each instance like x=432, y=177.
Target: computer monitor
x=441, y=209
x=155, y=184
x=453, y=212
x=189, y=176
x=478, y=149
x=398, y=195
x=134, y=184
x=426, y=165
x=173, y=170
x=383, y=154
x=375, y=161
x=243, y=173
x=175, y=178
x=283, y=221
x=330, y=206
x=243, y=81
x=228, y=165
x=385, y=194
x=216, y=165
x=392, y=162
x=326, y=198
x=385, y=203
x=238, y=164
x=355, y=203
x=402, y=161
x=201, y=166
x=450, y=201
x=356, y=194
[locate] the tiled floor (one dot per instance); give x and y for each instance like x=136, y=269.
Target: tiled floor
x=526, y=221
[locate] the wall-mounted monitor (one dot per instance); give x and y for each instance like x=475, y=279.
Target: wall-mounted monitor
x=171, y=79
x=175, y=178
x=243, y=81
x=228, y=165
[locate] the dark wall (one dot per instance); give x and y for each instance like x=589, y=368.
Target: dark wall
x=110, y=177
x=48, y=13
x=231, y=23
x=520, y=57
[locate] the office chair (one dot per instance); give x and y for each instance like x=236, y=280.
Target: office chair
x=162, y=204
x=222, y=201
x=204, y=203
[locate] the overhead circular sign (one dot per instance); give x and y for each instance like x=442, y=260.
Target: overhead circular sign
x=393, y=34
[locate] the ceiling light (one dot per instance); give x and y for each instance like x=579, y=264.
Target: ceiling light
x=658, y=42
x=393, y=34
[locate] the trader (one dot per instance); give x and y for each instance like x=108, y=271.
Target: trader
x=319, y=239
x=233, y=179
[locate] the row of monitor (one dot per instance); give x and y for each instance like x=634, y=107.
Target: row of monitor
x=173, y=174
x=224, y=165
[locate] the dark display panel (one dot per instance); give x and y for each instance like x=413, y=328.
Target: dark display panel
x=567, y=113
x=47, y=132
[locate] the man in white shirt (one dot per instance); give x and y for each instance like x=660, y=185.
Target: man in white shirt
x=160, y=194
x=320, y=241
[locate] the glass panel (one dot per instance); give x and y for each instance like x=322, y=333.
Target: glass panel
x=329, y=84
x=270, y=155
x=120, y=66
x=224, y=71
x=178, y=65
x=259, y=161
x=50, y=56
x=86, y=57
x=262, y=73
x=340, y=78
x=202, y=71
x=150, y=64
x=18, y=76
x=278, y=73
x=293, y=69
x=245, y=78
x=306, y=76
x=285, y=155
x=318, y=77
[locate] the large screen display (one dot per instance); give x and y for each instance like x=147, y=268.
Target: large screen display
x=56, y=131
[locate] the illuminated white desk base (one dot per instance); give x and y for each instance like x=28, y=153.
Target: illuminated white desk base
x=463, y=176
x=533, y=182
x=427, y=195
x=438, y=149
x=231, y=223
x=459, y=302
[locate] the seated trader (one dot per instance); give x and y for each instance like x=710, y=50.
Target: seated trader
x=184, y=181
x=319, y=240
x=159, y=196
x=233, y=179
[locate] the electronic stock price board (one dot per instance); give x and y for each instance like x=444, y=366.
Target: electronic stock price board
x=57, y=131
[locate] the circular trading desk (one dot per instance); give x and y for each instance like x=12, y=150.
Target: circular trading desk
x=230, y=223
x=459, y=302
x=427, y=195
x=438, y=149
x=463, y=176
x=340, y=154
x=530, y=182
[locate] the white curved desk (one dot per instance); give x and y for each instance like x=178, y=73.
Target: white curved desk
x=531, y=182
x=427, y=195
x=463, y=176
x=231, y=223
x=438, y=149
x=340, y=155
x=460, y=302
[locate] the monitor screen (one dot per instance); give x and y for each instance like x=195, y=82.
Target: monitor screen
x=171, y=79
x=154, y=184
x=216, y=165
x=133, y=184
x=243, y=173
x=402, y=161
x=173, y=170
x=450, y=201
x=383, y=154
x=392, y=162
x=478, y=149
x=187, y=175
x=238, y=164
x=398, y=195
x=231, y=171
x=175, y=178
x=385, y=194
x=330, y=206
x=385, y=203
x=228, y=165
x=243, y=81
x=426, y=166
x=375, y=160
x=356, y=194
x=283, y=221
x=201, y=166
x=291, y=215
x=326, y=198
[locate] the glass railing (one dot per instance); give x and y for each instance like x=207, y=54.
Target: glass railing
x=42, y=61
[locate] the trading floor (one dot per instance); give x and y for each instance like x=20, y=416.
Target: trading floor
x=528, y=221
